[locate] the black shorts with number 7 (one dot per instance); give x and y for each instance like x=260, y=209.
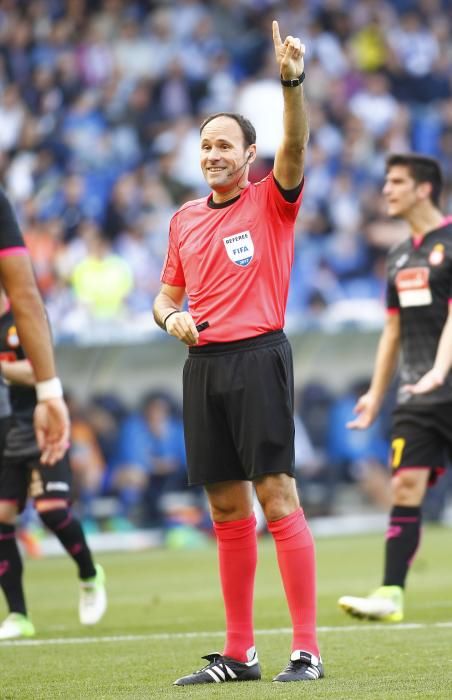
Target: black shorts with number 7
x=421, y=438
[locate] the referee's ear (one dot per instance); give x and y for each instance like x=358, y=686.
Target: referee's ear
x=251, y=154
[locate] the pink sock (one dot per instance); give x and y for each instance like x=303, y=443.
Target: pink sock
x=296, y=559
x=237, y=554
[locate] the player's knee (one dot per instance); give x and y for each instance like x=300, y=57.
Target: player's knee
x=43, y=504
x=8, y=513
x=278, y=508
x=277, y=494
x=408, y=487
x=278, y=504
x=230, y=501
x=226, y=512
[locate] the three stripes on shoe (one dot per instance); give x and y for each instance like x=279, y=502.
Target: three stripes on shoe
x=219, y=674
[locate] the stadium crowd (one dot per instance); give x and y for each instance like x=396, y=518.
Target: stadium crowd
x=100, y=104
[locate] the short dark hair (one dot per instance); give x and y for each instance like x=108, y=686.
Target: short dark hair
x=248, y=130
x=422, y=169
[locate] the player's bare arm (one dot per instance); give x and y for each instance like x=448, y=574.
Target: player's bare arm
x=368, y=405
x=18, y=372
x=18, y=281
x=168, y=314
x=442, y=366
x=289, y=160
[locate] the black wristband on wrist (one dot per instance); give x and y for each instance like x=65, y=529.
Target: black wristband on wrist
x=167, y=317
x=293, y=83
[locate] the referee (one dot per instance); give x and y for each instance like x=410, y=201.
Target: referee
x=231, y=254
x=419, y=323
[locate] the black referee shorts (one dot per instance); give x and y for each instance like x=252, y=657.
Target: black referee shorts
x=421, y=438
x=238, y=409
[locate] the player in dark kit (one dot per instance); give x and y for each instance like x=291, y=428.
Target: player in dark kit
x=22, y=474
x=419, y=322
x=231, y=253
x=51, y=418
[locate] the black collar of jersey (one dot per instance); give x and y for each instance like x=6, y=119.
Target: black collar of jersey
x=289, y=195
x=421, y=238
x=220, y=205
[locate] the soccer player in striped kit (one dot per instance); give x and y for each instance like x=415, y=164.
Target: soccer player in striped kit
x=419, y=323
x=231, y=254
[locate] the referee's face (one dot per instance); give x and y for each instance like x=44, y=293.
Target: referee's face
x=400, y=191
x=223, y=155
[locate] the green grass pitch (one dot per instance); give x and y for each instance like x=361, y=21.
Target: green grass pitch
x=165, y=612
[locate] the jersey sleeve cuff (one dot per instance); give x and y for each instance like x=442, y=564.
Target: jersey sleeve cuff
x=173, y=281
x=14, y=250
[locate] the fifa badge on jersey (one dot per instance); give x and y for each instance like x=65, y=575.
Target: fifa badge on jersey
x=12, y=338
x=240, y=248
x=436, y=256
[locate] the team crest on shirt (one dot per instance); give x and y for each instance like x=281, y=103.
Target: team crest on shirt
x=240, y=248
x=437, y=253
x=12, y=338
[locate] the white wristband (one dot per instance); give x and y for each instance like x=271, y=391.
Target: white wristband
x=49, y=389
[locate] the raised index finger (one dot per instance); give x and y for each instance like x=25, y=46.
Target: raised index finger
x=276, y=35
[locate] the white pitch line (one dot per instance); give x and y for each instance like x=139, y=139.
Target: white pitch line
x=160, y=636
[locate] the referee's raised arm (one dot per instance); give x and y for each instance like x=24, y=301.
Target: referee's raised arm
x=289, y=160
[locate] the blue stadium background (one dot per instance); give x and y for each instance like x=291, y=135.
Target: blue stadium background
x=100, y=105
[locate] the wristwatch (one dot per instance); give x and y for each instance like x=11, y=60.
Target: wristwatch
x=295, y=82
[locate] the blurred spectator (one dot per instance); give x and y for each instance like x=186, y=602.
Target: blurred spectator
x=101, y=281
x=133, y=53
x=12, y=117
x=87, y=463
x=122, y=207
x=151, y=459
x=73, y=206
x=94, y=57
x=374, y=104
x=359, y=457
x=44, y=240
x=105, y=413
x=312, y=473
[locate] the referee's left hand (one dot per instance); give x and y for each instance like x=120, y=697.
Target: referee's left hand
x=429, y=382
x=289, y=54
x=182, y=326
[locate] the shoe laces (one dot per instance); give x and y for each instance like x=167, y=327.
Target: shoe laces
x=214, y=659
x=295, y=665
x=305, y=661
